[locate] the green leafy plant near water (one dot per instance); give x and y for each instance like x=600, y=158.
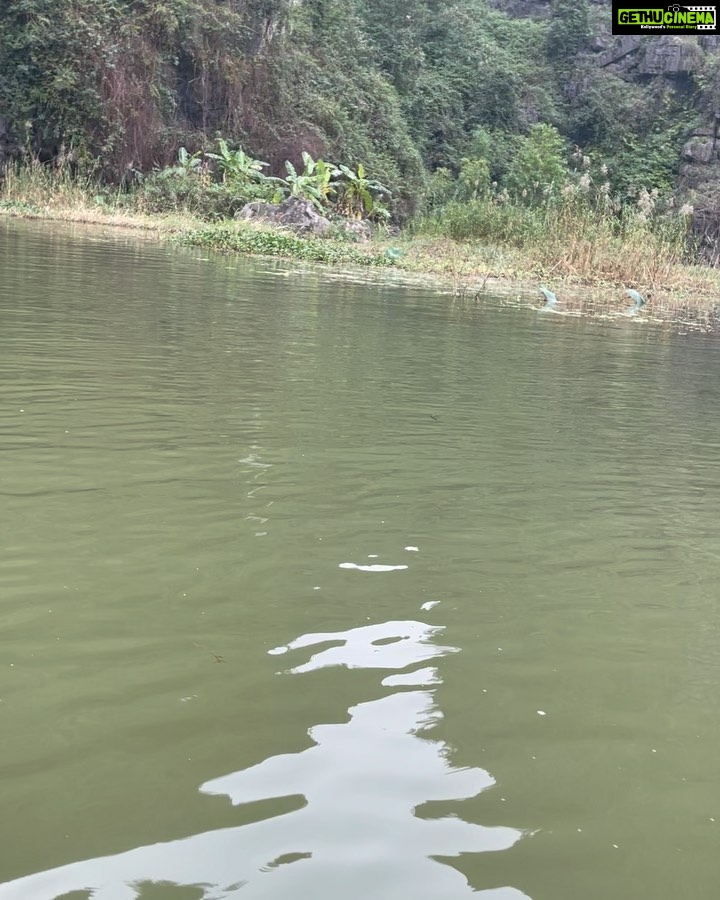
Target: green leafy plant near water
x=237, y=166
x=314, y=183
x=191, y=185
x=359, y=195
x=187, y=163
x=275, y=243
x=216, y=185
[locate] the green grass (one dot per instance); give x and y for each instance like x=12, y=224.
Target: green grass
x=571, y=238
x=238, y=239
x=20, y=207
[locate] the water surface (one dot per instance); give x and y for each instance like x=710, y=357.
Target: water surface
x=313, y=588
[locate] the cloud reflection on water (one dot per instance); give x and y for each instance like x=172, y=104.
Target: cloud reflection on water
x=355, y=833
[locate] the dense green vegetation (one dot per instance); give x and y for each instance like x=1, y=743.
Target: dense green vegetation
x=451, y=117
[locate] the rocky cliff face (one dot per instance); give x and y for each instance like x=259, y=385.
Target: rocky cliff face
x=665, y=55
x=682, y=61
x=663, y=63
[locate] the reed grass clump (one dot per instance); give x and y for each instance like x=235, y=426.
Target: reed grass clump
x=39, y=185
x=570, y=237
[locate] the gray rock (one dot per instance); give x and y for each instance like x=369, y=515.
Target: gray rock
x=258, y=209
x=599, y=43
x=699, y=149
x=301, y=216
x=625, y=45
x=361, y=229
x=669, y=55
x=298, y=215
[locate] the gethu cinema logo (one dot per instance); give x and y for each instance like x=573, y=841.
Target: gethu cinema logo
x=701, y=17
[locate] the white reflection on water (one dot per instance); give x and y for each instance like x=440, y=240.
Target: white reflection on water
x=355, y=833
x=403, y=643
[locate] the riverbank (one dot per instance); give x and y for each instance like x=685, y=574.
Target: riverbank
x=681, y=295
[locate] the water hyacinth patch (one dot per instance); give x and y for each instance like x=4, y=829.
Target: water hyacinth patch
x=276, y=243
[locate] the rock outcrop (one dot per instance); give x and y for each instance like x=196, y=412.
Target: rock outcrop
x=301, y=217
x=669, y=55
x=621, y=48
x=359, y=229
x=298, y=215
x=699, y=149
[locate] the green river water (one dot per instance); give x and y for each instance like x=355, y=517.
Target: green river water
x=313, y=589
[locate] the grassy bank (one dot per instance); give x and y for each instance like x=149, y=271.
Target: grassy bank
x=583, y=257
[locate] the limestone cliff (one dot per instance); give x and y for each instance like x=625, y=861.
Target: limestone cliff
x=685, y=67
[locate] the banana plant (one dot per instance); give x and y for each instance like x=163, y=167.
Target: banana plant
x=187, y=164
x=236, y=165
x=314, y=183
x=359, y=195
